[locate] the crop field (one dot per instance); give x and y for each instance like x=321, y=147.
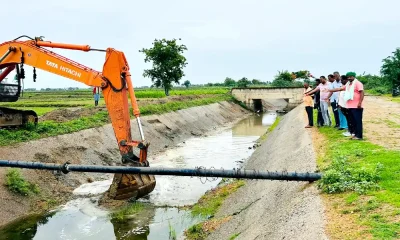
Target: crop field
x=45, y=101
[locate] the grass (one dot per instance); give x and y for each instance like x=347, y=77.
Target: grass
x=51, y=128
x=84, y=98
x=172, y=232
x=391, y=124
x=364, y=182
x=395, y=99
x=209, y=203
x=16, y=183
x=140, y=93
x=39, y=110
x=126, y=211
x=275, y=124
x=270, y=129
x=206, y=208
x=234, y=236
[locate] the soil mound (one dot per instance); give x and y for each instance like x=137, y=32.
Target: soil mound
x=68, y=114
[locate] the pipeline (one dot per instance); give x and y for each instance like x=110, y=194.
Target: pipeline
x=196, y=172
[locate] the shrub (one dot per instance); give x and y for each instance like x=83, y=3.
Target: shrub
x=341, y=177
x=16, y=183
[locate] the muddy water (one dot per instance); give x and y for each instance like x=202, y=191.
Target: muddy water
x=82, y=219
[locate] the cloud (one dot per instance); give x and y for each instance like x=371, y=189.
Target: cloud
x=252, y=38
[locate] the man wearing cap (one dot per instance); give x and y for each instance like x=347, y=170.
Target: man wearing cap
x=354, y=96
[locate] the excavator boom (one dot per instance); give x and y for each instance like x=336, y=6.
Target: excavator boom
x=115, y=82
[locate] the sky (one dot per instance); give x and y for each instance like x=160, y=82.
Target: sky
x=252, y=38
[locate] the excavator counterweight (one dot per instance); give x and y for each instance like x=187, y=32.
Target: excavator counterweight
x=115, y=82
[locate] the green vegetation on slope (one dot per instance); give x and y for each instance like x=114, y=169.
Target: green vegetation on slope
x=16, y=183
x=51, y=128
x=270, y=129
x=207, y=206
x=209, y=203
x=365, y=177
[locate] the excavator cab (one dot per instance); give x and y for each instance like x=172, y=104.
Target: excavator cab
x=11, y=92
x=115, y=83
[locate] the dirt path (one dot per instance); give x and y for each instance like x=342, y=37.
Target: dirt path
x=382, y=122
x=274, y=209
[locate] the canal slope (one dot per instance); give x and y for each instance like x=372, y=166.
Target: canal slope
x=98, y=146
x=274, y=209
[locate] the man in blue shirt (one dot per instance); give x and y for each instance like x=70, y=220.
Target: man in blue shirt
x=334, y=96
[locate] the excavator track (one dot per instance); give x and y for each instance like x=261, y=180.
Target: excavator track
x=14, y=118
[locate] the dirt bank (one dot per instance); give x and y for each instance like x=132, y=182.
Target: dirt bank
x=381, y=122
x=273, y=209
x=98, y=146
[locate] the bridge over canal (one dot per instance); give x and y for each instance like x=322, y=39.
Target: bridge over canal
x=269, y=98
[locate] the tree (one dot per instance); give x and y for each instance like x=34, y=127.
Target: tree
x=168, y=63
x=376, y=84
x=283, y=79
x=256, y=82
x=301, y=74
x=186, y=83
x=229, y=82
x=390, y=71
x=286, y=79
x=243, y=82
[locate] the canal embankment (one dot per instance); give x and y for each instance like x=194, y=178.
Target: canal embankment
x=263, y=209
x=98, y=146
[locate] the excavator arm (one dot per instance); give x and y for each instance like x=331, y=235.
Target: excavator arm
x=115, y=82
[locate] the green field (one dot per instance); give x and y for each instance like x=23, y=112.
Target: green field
x=45, y=101
x=150, y=101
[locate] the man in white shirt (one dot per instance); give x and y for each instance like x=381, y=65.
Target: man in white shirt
x=346, y=121
x=334, y=97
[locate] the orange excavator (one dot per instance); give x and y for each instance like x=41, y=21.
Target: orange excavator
x=115, y=82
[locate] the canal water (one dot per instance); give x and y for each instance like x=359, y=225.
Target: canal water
x=82, y=219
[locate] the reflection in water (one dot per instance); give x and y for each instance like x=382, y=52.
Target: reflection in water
x=83, y=219
x=26, y=228
x=255, y=125
x=135, y=227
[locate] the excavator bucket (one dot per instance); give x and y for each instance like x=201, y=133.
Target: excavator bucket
x=127, y=186
x=133, y=186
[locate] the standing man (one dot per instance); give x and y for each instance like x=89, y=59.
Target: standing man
x=354, y=95
x=323, y=90
x=342, y=109
x=334, y=97
x=96, y=93
x=309, y=104
x=337, y=76
x=317, y=105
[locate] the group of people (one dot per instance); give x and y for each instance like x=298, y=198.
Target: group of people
x=345, y=95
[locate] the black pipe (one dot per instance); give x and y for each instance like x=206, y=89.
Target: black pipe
x=22, y=37
x=196, y=172
x=5, y=55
